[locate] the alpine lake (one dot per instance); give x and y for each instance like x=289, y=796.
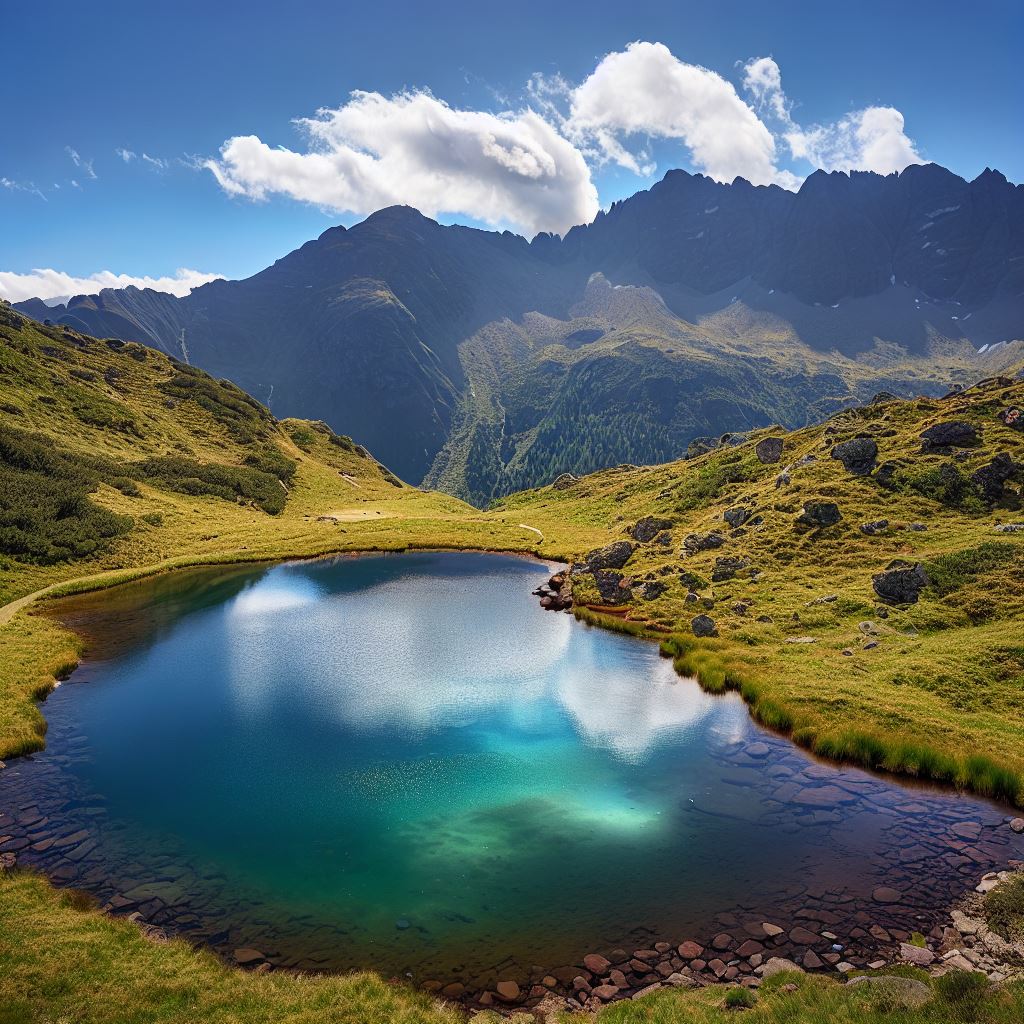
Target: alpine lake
x=401, y=762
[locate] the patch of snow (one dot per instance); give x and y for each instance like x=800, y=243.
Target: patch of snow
x=836, y=306
x=693, y=238
x=968, y=317
x=771, y=291
x=711, y=209
x=926, y=244
x=955, y=318
x=944, y=209
x=925, y=227
x=733, y=299
x=892, y=279
x=940, y=252
x=982, y=349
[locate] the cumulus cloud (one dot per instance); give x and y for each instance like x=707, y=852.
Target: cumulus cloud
x=647, y=92
x=531, y=168
x=376, y=151
x=52, y=284
x=870, y=139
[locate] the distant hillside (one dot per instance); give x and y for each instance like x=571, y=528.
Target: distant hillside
x=114, y=455
x=480, y=362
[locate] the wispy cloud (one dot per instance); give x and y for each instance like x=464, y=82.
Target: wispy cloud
x=24, y=186
x=126, y=155
x=80, y=161
x=157, y=163
x=46, y=283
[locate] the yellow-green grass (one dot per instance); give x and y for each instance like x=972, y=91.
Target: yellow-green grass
x=62, y=961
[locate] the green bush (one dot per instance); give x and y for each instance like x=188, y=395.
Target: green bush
x=950, y=572
x=244, y=417
x=965, y=992
x=740, y=999
x=947, y=484
x=46, y=515
x=233, y=483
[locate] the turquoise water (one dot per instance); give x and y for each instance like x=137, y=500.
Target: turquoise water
x=403, y=762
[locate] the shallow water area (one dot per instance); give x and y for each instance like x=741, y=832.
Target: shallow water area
x=401, y=762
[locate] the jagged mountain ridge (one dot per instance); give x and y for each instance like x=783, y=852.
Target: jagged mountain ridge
x=472, y=360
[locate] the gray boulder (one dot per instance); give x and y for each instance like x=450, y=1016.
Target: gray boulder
x=727, y=566
x=648, y=528
x=768, y=450
x=614, y=556
x=991, y=478
x=954, y=434
x=819, y=514
x=737, y=516
x=875, y=527
x=900, y=583
x=857, y=455
x=694, y=542
x=611, y=588
x=703, y=625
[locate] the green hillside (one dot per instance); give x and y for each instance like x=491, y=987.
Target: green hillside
x=930, y=688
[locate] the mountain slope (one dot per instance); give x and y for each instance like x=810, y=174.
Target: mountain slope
x=452, y=352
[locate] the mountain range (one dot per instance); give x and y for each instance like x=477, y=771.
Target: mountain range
x=479, y=363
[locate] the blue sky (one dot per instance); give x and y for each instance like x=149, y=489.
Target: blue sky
x=867, y=84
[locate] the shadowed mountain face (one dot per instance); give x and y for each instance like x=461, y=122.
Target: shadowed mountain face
x=480, y=362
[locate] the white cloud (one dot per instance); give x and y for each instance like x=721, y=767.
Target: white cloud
x=50, y=284
x=80, y=161
x=870, y=139
x=646, y=92
x=23, y=186
x=155, y=162
x=125, y=154
x=374, y=151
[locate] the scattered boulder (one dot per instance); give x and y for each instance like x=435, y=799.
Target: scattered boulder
x=596, y=964
x=703, y=625
x=882, y=397
x=954, y=434
x=737, y=516
x=819, y=514
x=875, y=527
x=1010, y=528
x=1013, y=418
x=885, y=475
x=900, y=583
x=776, y=965
x=768, y=450
x=564, y=482
x=646, y=529
x=614, y=556
x=991, y=478
x=919, y=956
x=694, y=542
x=857, y=456
x=906, y=992
x=652, y=589
x=726, y=566
x=612, y=587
